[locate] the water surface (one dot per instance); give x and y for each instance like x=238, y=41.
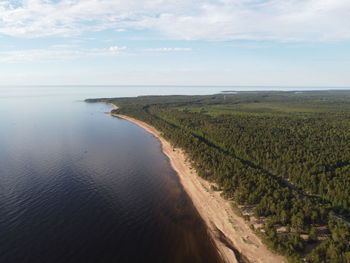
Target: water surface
x=78, y=185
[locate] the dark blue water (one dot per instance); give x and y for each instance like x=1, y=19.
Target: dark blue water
x=77, y=185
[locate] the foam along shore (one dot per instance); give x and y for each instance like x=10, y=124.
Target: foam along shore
x=234, y=240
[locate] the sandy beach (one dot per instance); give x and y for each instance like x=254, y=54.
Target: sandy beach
x=235, y=241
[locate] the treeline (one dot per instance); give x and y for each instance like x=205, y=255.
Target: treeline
x=293, y=168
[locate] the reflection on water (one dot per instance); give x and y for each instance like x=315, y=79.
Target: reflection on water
x=77, y=185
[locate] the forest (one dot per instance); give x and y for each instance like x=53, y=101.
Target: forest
x=281, y=158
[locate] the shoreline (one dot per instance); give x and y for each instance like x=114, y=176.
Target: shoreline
x=235, y=241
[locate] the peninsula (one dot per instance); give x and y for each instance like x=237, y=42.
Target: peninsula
x=267, y=171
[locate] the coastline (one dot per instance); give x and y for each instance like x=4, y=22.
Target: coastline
x=235, y=241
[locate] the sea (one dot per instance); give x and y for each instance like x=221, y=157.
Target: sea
x=78, y=185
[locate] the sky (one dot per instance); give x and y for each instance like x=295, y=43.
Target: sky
x=175, y=42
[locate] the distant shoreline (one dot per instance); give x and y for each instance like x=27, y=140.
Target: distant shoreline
x=234, y=240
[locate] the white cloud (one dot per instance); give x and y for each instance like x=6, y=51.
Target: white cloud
x=281, y=20
x=167, y=49
x=116, y=48
x=71, y=52
x=57, y=52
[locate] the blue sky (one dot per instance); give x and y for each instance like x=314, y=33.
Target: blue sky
x=167, y=42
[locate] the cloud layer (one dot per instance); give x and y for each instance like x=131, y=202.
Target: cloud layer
x=57, y=53
x=280, y=20
x=71, y=52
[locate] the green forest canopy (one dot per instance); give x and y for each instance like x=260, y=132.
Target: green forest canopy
x=286, y=155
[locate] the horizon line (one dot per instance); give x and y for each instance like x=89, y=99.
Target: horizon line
x=167, y=85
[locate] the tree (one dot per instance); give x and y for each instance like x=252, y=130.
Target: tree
x=313, y=234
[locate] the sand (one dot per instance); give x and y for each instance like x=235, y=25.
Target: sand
x=235, y=241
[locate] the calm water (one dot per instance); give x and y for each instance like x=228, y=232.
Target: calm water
x=77, y=185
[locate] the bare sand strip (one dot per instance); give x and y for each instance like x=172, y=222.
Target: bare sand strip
x=235, y=241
